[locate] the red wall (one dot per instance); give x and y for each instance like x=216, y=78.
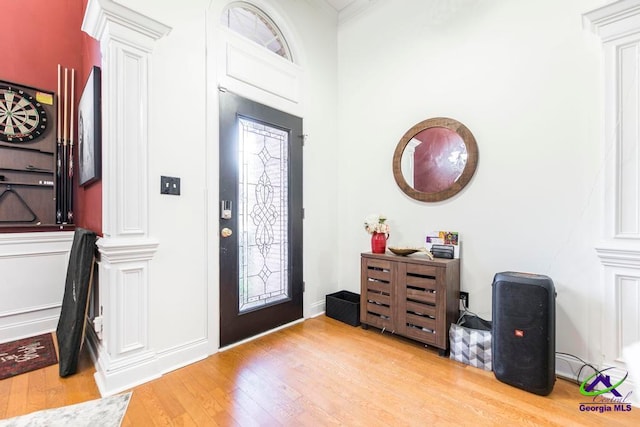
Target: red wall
x=88, y=203
x=36, y=36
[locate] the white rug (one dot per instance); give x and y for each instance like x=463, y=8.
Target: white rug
x=106, y=412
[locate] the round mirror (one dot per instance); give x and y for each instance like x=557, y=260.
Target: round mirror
x=435, y=159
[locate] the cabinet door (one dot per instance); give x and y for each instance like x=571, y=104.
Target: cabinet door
x=420, y=299
x=27, y=156
x=377, y=297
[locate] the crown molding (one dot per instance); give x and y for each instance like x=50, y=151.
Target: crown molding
x=100, y=13
x=615, y=20
x=354, y=9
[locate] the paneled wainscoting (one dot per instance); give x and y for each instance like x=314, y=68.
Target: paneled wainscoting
x=33, y=268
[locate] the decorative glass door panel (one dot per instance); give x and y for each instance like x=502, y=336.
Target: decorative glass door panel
x=262, y=215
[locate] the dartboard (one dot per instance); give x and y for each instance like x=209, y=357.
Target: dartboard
x=22, y=117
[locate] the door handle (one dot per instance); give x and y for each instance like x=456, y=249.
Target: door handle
x=226, y=232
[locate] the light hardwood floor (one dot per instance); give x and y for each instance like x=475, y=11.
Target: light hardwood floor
x=319, y=372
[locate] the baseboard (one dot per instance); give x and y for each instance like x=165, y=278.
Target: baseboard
x=183, y=355
x=315, y=309
x=114, y=382
x=317, y=315
x=114, y=377
x=631, y=355
x=568, y=368
x=627, y=387
x=29, y=324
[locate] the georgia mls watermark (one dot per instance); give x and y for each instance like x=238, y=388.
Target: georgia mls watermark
x=612, y=402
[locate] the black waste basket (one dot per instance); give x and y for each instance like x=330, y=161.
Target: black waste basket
x=344, y=306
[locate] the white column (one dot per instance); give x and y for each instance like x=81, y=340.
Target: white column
x=618, y=26
x=124, y=356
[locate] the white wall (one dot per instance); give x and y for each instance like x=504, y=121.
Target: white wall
x=184, y=143
x=178, y=144
x=525, y=78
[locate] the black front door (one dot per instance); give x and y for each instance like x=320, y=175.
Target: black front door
x=260, y=221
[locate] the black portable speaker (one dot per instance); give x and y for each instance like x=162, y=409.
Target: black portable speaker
x=523, y=333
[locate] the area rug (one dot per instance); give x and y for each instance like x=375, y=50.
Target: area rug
x=28, y=354
x=106, y=412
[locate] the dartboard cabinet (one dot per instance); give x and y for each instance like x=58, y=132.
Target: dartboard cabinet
x=27, y=156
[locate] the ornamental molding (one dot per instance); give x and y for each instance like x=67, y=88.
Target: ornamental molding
x=355, y=8
x=100, y=13
x=615, y=20
x=619, y=256
x=116, y=251
x=36, y=238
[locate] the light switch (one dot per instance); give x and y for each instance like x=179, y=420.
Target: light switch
x=170, y=185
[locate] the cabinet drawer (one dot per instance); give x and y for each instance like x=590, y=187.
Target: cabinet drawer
x=422, y=270
x=421, y=309
x=376, y=298
x=377, y=270
x=421, y=295
x=377, y=309
x=421, y=283
x=376, y=293
x=378, y=321
x=424, y=277
x=377, y=287
x=421, y=323
x=378, y=263
x=424, y=335
x=425, y=322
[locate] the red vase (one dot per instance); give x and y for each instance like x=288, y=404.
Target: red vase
x=379, y=243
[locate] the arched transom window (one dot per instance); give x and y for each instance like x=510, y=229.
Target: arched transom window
x=252, y=23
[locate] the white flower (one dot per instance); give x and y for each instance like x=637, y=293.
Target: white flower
x=375, y=223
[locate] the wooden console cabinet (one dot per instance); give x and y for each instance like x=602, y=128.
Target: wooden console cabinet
x=411, y=296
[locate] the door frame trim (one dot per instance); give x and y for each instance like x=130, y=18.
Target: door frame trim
x=234, y=324
x=216, y=46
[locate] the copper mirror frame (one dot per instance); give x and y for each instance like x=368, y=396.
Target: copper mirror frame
x=459, y=132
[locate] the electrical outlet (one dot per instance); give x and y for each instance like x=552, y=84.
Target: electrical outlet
x=464, y=297
x=169, y=185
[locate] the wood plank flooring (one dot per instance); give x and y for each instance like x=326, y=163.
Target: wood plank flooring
x=316, y=373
